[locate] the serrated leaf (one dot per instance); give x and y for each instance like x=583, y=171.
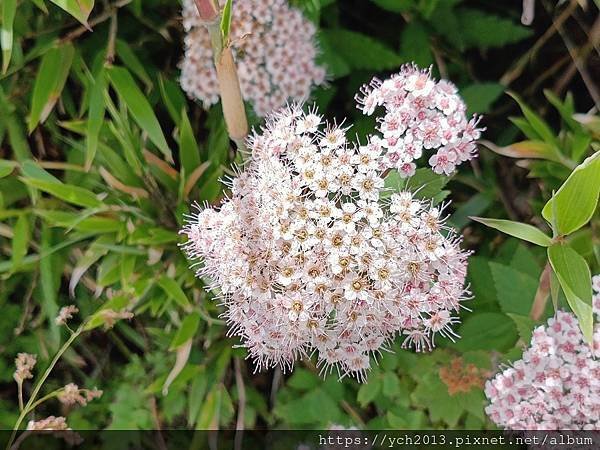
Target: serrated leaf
x=574, y=276
x=303, y=380
x=9, y=8
x=391, y=384
x=432, y=394
x=515, y=289
x=487, y=331
x=368, y=391
x=520, y=230
x=361, y=51
x=415, y=46
x=482, y=30
x=525, y=326
x=174, y=291
x=576, y=200
x=480, y=96
x=140, y=108
x=49, y=83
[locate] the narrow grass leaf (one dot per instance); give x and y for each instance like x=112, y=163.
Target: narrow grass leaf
x=9, y=8
x=140, y=108
x=49, y=83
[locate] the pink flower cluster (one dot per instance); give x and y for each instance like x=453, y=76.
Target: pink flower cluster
x=556, y=385
x=307, y=259
x=420, y=115
x=274, y=47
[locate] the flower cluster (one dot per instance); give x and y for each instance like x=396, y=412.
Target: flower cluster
x=556, y=385
x=420, y=115
x=312, y=255
x=274, y=49
x=50, y=423
x=24, y=364
x=72, y=395
x=65, y=314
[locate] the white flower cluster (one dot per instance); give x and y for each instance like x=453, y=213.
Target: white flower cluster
x=556, y=385
x=308, y=259
x=420, y=115
x=274, y=47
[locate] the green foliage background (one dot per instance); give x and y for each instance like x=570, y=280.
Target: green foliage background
x=102, y=154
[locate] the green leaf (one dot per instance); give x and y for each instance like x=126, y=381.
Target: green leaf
x=391, y=384
x=50, y=280
x=196, y=397
x=576, y=200
x=525, y=326
x=415, y=46
x=303, y=380
x=20, y=240
x=7, y=167
x=396, y=6
x=172, y=98
x=136, y=102
x=116, y=303
x=538, y=124
x=515, y=288
x=189, y=153
x=67, y=192
x=487, y=331
x=80, y=9
x=477, y=204
x=174, y=291
x=368, y=391
x=527, y=149
x=208, y=418
x=483, y=30
x=574, y=276
x=337, y=66
x=187, y=330
x=520, y=230
x=432, y=393
x=49, y=83
x=480, y=96
x=9, y=8
x=361, y=51
x=95, y=117
x=226, y=20
x=426, y=184
x=130, y=59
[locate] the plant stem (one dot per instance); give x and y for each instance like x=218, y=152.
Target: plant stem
x=31, y=403
x=229, y=84
x=20, y=389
